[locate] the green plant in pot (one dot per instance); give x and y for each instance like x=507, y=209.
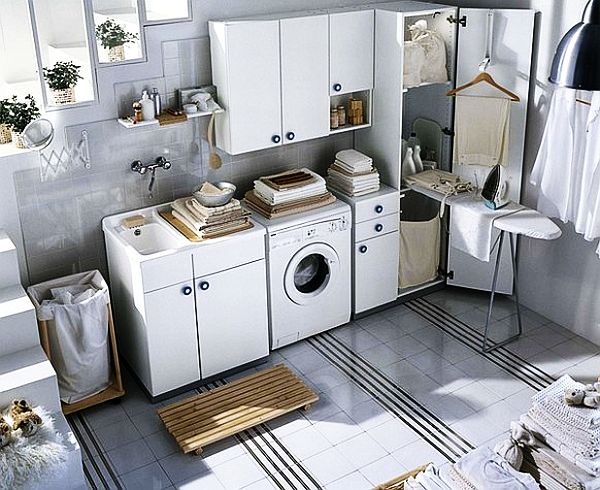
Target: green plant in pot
x=21, y=114
x=5, y=134
x=62, y=79
x=114, y=37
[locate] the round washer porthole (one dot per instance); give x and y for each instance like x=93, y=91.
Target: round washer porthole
x=310, y=272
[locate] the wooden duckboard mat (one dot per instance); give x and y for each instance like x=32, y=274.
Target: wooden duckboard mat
x=225, y=411
x=398, y=483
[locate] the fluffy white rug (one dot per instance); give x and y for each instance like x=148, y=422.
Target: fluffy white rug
x=26, y=459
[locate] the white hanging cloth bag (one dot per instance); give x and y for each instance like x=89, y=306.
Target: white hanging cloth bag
x=434, y=69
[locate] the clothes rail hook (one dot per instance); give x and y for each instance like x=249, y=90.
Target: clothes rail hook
x=487, y=60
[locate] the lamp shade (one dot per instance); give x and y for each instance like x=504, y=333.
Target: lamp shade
x=577, y=60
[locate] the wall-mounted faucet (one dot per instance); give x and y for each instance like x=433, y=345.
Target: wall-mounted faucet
x=140, y=168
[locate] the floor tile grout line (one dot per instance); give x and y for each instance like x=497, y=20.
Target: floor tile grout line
x=502, y=357
x=502, y=351
x=278, y=455
x=393, y=387
x=101, y=455
x=436, y=320
x=386, y=401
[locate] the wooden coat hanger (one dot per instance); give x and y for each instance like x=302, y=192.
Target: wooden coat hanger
x=486, y=78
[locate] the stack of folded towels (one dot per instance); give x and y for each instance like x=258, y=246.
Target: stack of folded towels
x=481, y=469
x=286, y=193
x=568, y=435
x=353, y=174
x=205, y=222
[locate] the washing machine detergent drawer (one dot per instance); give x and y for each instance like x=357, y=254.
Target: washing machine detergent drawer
x=309, y=280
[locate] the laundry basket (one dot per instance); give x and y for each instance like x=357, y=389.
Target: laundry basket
x=420, y=229
x=77, y=333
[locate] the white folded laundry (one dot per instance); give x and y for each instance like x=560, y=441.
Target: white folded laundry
x=273, y=197
x=353, y=158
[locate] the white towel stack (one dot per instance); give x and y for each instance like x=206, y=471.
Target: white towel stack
x=573, y=432
x=353, y=174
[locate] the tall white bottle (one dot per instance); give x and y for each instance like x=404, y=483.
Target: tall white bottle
x=417, y=159
x=148, y=113
x=408, y=165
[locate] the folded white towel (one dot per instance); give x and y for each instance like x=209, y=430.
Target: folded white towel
x=353, y=158
x=473, y=225
x=482, y=131
x=273, y=197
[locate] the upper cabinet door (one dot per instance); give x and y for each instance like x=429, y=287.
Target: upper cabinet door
x=351, y=42
x=246, y=71
x=305, y=77
x=511, y=48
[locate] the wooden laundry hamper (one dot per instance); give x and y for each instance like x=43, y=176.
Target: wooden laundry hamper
x=398, y=483
x=115, y=390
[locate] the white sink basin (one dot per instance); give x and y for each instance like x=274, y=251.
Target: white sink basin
x=151, y=238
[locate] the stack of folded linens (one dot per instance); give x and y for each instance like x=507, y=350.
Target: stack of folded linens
x=205, y=222
x=571, y=431
x=287, y=193
x=353, y=174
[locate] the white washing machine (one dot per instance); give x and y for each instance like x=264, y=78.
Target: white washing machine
x=309, y=271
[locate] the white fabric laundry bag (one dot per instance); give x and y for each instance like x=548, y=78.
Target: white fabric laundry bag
x=434, y=70
x=419, y=252
x=75, y=309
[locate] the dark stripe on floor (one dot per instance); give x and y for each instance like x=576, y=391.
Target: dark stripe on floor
x=468, y=336
x=392, y=397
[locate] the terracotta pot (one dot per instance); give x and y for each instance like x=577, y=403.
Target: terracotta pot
x=5, y=134
x=116, y=53
x=64, y=96
x=18, y=140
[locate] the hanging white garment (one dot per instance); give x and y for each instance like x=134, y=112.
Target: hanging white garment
x=587, y=220
x=558, y=166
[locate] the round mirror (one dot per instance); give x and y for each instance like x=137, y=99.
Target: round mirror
x=38, y=134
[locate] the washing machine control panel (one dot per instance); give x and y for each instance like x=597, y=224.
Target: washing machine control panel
x=307, y=234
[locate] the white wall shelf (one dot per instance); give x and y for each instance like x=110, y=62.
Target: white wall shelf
x=349, y=127
x=144, y=124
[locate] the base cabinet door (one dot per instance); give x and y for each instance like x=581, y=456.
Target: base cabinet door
x=232, y=318
x=376, y=271
x=172, y=337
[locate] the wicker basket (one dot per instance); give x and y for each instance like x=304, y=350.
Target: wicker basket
x=64, y=96
x=18, y=140
x=116, y=53
x=5, y=134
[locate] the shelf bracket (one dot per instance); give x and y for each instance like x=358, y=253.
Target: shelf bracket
x=454, y=20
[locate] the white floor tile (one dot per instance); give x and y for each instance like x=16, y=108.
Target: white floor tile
x=361, y=450
x=288, y=424
x=338, y=428
x=185, y=468
x=406, y=346
x=359, y=340
x=147, y=422
x=347, y=395
x=478, y=428
x=428, y=361
x=449, y=408
x=306, y=443
x=449, y=378
x=328, y=466
x=327, y=377
x=369, y=414
x=161, y=444
x=384, y=330
x=477, y=396
x=354, y=481
x=417, y=454
x=381, y=356
x=505, y=386
x=115, y=435
x=131, y=456
x=308, y=361
x=264, y=484
x=383, y=470
x=322, y=409
x=147, y=477
x=201, y=482
x=238, y=472
x=393, y=435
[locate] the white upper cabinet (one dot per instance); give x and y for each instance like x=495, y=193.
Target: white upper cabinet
x=246, y=71
x=351, y=40
x=304, y=77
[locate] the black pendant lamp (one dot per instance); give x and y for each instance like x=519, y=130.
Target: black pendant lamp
x=577, y=60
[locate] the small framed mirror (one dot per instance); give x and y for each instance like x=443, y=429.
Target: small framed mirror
x=162, y=12
x=63, y=54
x=38, y=134
x=118, y=32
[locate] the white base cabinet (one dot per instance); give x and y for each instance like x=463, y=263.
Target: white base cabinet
x=232, y=311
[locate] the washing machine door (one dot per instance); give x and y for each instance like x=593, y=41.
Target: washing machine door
x=310, y=272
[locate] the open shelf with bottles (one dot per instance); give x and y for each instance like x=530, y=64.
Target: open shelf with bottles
x=356, y=108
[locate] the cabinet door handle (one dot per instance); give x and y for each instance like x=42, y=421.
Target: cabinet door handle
x=379, y=228
x=290, y=136
x=204, y=285
x=379, y=209
x=337, y=87
x=363, y=249
x=187, y=290
x=276, y=138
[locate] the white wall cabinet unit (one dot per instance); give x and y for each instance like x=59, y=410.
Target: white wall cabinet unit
x=246, y=71
x=351, y=37
x=232, y=313
x=272, y=78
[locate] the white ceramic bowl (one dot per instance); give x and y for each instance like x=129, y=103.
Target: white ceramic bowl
x=214, y=201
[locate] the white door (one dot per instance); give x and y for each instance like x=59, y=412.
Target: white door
x=352, y=44
x=254, y=88
x=232, y=318
x=376, y=272
x=172, y=337
x=511, y=52
x=305, y=78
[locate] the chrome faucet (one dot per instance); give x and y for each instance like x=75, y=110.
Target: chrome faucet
x=140, y=168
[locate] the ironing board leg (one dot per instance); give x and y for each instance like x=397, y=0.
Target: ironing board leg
x=488, y=348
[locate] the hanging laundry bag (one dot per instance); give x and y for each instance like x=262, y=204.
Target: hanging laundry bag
x=76, y=312
x=425, y=58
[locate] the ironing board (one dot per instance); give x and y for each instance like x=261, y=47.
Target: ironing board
x=527, y=223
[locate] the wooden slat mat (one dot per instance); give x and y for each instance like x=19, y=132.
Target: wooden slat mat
x=212, y=416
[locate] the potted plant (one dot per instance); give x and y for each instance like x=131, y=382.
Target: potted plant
x=21, y=114
x=61, y=80
x=113, y=36
x=5, y=134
